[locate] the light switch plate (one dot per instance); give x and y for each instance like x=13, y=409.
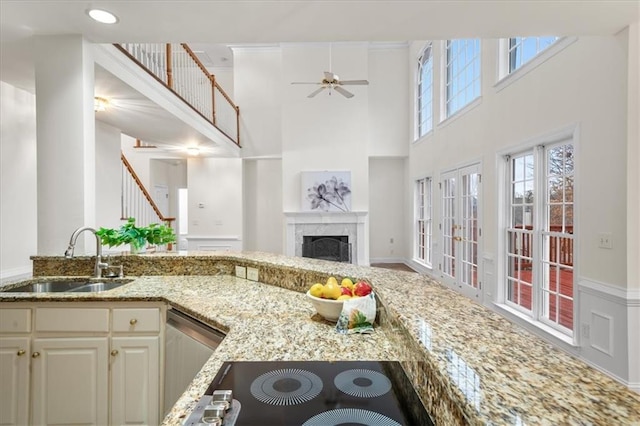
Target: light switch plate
x=252, y=274
x=241, y=272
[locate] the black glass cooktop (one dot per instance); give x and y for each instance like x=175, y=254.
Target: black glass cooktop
x=315, y=393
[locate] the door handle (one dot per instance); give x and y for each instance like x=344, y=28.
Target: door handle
x=457, y=238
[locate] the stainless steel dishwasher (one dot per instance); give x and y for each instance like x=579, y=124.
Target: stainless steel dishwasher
x=189, y=343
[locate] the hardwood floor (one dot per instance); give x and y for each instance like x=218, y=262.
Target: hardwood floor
x=394, y=266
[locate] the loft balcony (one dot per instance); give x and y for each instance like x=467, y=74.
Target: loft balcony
x=163, y=95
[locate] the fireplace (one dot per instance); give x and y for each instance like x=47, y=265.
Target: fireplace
x=352, y=225
x=327, y=247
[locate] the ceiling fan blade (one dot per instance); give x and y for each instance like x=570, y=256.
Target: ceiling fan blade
x=343, y=92
x=355, y=82
x=304, y=82
x=315, y=92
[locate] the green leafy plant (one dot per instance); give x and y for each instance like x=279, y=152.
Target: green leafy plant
x=136, y=237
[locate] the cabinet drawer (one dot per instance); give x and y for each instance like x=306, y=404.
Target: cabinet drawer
x=72, y=319
x=15, y=320
x=143, y=320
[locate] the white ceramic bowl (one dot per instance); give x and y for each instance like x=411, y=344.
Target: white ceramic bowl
x=329, y=309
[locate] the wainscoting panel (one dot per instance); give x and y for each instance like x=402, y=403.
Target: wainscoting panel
x=213, y=243
x=609, y=339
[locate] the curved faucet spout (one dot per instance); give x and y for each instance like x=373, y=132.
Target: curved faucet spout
x=72, y=245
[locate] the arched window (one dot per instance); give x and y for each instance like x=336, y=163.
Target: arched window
x=425, y=91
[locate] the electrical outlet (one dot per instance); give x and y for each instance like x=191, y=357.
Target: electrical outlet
x=605, y=240
x=252, y=274
x=241, y=272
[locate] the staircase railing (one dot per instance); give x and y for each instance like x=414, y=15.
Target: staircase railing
x=179, y=69
x=136, y=200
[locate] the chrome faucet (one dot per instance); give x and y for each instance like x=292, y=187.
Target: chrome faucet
x=100, y=265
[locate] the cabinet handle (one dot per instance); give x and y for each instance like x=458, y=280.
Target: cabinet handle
x=35, y=355
x=133, y=321
x=114, y=352
x=21, y=352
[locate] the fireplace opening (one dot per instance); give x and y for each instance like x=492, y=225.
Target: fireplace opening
x=327, y=247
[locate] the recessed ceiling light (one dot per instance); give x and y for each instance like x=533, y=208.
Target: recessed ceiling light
x=100, y=104
x=193, y=151
x=102, y=16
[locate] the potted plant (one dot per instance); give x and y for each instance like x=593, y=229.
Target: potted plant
x=136, y=237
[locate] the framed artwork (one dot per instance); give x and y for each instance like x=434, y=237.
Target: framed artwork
x=326, y=191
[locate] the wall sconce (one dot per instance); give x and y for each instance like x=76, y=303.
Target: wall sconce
x=100, y=104
x=194, y=151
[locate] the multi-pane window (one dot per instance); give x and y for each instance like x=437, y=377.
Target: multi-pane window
x=523, y=49
x=424, y=221
x=540, y=234
x=425, y=91
x=463, y=73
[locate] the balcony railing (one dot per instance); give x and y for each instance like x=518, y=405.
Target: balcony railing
x=179, y=69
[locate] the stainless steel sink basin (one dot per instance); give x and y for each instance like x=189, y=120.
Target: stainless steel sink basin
x=62, y=286
x=98, y=286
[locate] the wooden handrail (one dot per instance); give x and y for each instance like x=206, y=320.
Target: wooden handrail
x=138, y=182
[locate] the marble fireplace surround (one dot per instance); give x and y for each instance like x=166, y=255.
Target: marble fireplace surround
x=352, y=224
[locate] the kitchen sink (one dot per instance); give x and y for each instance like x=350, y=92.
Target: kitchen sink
x=99, y=286
x=62, y=286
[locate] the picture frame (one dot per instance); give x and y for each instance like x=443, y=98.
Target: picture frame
x=326, y=191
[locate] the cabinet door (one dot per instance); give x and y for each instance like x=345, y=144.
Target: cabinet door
x=70, y=381
x=14, y=380
x=135, y=380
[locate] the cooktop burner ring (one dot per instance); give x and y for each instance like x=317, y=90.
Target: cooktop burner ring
x=350, y=415
x=286, y=387
x=362, y=383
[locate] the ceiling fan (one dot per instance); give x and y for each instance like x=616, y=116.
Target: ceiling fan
x=331, y=81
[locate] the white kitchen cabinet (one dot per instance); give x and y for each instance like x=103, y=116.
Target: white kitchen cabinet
x=14, y=380
x=15, y=349
x=70, y=379
x=135, y=365
x=88, y=363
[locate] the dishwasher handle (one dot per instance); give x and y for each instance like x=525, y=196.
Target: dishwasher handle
x=194, y=328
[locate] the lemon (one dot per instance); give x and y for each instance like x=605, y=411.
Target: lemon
x=316, y=290
x=332, y=280
x=346, y=282
x=344, y=297
x=331, y=290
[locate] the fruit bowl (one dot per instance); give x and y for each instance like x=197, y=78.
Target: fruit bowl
x=329, y=309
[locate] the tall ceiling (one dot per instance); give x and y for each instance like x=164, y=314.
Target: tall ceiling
x=211, y=25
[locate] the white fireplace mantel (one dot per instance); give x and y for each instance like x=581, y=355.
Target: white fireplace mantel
x=353, y=224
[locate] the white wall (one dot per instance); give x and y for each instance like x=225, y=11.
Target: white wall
x=108, y=168
x=387, y=214
x=264, y=222
x=258, y=86
x=18, y=194
x=171, y=173
x=569, y=90
x=388, y=93
x=215, y=203
x=328, y=132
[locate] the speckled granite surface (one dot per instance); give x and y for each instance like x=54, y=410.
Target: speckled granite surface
x=468, y=364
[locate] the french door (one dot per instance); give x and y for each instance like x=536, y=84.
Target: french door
x=461, y=196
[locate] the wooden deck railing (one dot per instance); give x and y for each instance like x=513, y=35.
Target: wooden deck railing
x=560, y=248
x=136, y=200
x=179, y=69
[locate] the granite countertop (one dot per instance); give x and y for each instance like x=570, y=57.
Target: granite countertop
x=468, y=364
